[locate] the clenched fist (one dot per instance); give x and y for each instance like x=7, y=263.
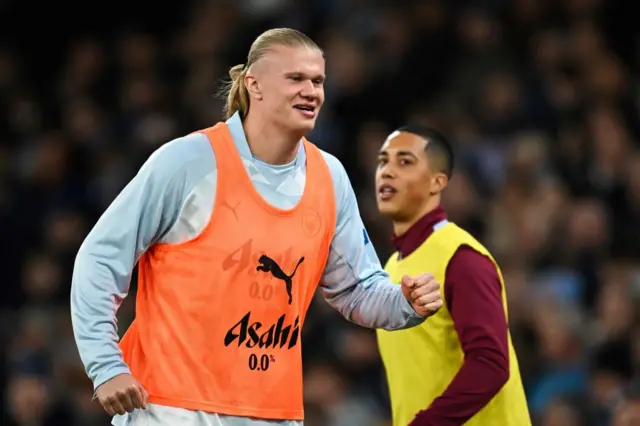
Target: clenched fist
x=122, y=394
x=423, y=292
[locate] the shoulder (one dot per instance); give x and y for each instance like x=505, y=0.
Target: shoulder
x=176, y=153
x=189, y=156
x=468, y=268
x=339, y=177
x=469, y=262
x=337, y=170
x=346, y=203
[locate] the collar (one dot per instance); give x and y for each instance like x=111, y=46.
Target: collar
x=419, y=232
x=234, y=123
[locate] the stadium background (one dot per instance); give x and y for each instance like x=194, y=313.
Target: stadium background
x=541, y=98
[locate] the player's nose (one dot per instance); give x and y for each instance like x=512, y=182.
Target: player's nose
x=309, y=90
x=386, y=171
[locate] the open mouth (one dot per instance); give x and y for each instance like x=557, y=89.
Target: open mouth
x=386, y=191
x=308, y=111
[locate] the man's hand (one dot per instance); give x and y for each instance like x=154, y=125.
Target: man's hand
x=122, y=394
x=423, y=292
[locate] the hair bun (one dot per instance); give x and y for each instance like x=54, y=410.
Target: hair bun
x=236, y=71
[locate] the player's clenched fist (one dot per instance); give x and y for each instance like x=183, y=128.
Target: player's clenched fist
x=423, y=292
x=122, y=394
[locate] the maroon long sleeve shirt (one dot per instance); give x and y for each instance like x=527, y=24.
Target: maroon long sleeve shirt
x=474, y=299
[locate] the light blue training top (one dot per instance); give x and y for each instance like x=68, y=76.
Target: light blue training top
x=170, y=200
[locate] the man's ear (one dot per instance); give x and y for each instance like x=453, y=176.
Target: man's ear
x=253, y=86
x=438, y=183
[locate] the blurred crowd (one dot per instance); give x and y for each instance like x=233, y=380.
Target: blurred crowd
x=540, y=97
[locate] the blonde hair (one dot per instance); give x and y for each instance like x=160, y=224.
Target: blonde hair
x=235, y=90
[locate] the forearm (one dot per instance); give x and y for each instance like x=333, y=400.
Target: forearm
x=376, y=303
x=94, y=303
x=353, y=281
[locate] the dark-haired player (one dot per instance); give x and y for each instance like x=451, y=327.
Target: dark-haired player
x=460, y=366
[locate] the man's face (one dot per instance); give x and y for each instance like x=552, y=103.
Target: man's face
x=403, y=176
x=290, y=84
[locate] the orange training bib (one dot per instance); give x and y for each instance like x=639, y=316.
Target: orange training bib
x=219, y=318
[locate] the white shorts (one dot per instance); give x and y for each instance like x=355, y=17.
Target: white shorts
x=160, y=415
